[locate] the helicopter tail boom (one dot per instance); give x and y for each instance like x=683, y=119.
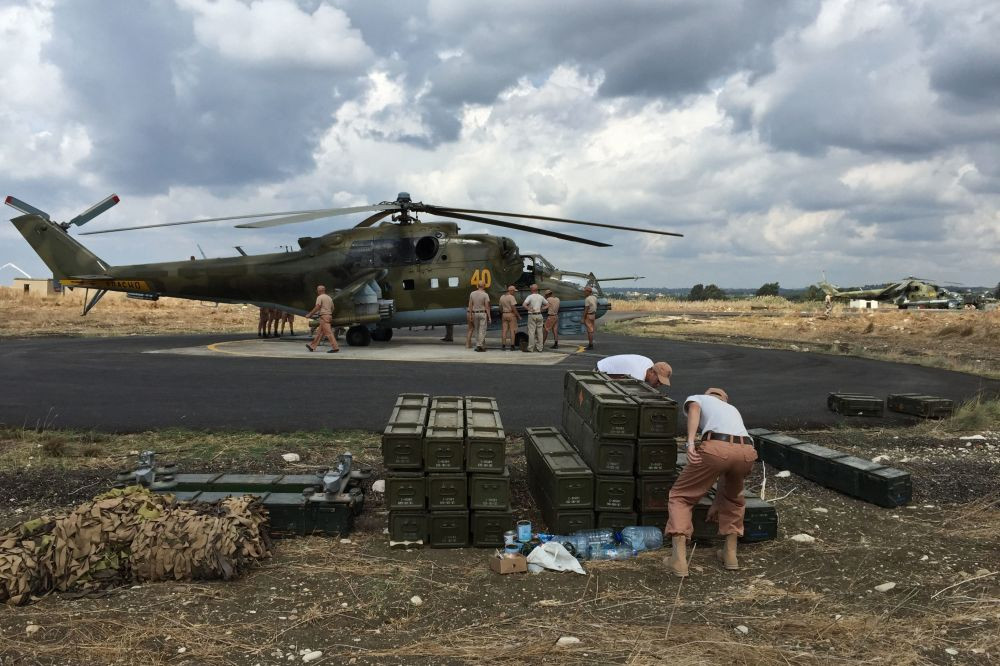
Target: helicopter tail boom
x=62, y=253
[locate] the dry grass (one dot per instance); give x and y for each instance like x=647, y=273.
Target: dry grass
x=757, y=303
x=31, y=315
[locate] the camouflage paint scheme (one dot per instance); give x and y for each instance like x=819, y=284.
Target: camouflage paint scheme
x=382, y=277
x=907, y=293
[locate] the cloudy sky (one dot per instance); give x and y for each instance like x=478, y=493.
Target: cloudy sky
x=782, y=138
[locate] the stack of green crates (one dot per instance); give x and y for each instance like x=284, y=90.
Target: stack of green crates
x=459, y=491
x=559, y=480
x=625, y=431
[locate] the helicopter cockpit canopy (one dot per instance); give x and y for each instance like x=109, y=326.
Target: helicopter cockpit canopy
x=534, y=267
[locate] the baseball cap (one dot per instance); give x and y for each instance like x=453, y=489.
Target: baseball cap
x=663, y=372
x=718, y=393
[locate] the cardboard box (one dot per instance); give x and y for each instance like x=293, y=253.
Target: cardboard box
x=508, y=565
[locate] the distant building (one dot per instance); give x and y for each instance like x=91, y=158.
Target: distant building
x=35, y=287
x=864, y=304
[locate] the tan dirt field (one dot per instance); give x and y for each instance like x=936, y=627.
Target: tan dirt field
x=963, y=340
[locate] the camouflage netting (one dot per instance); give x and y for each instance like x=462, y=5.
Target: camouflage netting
x=131, y=535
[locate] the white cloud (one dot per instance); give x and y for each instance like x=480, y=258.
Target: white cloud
x=278, y=32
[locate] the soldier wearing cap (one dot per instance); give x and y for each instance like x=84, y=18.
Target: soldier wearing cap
x=552, y=321
x=534, y=304
x=589, y=314
x=637, y=366
x=724, y=454
x=323, y=308
x=479, y=307
x=509, y=318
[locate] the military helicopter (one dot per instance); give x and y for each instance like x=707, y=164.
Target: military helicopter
x=398, y=273
x=910, y=292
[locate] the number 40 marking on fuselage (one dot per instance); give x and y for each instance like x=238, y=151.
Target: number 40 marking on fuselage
x=483, y=275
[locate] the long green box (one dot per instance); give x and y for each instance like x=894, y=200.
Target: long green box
x=247, y=483
x=407, y=526
x=402, y=446
x=405, y=490
x=331, y=518
x=608, y=411
x=447, y=492
x=488, y=527
x=560, y=472
x=657, y=412
x=571, y=381
x=447, y=411
x=820, y=461
x=854, y=404
x=847, y=473
x=604, y=455
x=490, y=491
x=287, y=514
x=888, y=487
x=652, y=492
x=448, y=529
x=655, y=457
x=616, y=520
x=572, y=425
x=614, y=493
x=774, y=449
x=916, y=404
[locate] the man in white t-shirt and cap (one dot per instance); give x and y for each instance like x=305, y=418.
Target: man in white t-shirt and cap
x=639, y=367
x=724, y=454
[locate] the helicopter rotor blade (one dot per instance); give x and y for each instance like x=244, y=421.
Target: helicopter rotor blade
x=559, y=219
x=321, y=212
x=372, y=219
x=316, y=215
x=512, y=225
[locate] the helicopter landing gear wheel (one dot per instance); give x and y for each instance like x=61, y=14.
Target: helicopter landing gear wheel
x=381, y=334
x=358, y=336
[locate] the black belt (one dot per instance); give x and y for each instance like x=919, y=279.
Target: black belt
x=735, y=439
x=479, y=311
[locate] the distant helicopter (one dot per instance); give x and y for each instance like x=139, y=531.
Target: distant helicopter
x=381, y=277
x=909, y=292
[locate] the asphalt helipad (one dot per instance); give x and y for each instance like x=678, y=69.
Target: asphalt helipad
x=241, y=382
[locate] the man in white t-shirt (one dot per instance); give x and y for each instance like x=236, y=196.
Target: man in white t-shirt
x=534, y=304
x=639, y=367
x=725, y=454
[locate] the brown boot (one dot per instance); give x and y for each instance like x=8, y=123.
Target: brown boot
x=677, y=562
x=727, y=554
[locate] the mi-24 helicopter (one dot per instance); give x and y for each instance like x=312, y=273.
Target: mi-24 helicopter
x=381, y=274
x=910, y=292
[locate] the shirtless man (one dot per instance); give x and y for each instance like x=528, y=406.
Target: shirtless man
x=510, y=318
x=552, y=321
x=324, y=308
x=589, y=314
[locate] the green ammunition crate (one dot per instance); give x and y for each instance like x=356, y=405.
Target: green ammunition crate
x=407, y=526
x=447, y=411
x=248, y=483
x=614, y=493
x=490, y=491
x=820, y=462
x=447, y=492
x=616, y=520
x=571, y=380
x=611, y=414
x=409, y=403
x=194, y=482
x=561, y=474
x=485, y=450
x=854, y=404
x=444, y=448
x=185, y=495
x=604, y=455
x=287, y=514
x=760, y=520
x=656, y=519
x=165, y=485
x=652, y=492
x=488, y=527
x=405, y=490
x=567, y=521
x=213, y=497
x=924, y=406
x=402, y=445
x=657, y=412
x=332, y=518
x=448, y=529
x=774, y=449
x=758, y=432
x=888, y=487
x=656, y=457
x=847, y=473
x=572, y=425
x=482, y=412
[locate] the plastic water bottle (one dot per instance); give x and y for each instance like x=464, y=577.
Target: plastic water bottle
x=603, y=535
x=640, y=538
x=577, y=546
x=610, y=552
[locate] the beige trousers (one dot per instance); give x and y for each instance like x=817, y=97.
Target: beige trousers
x=535, y=333
x=479, y=319
x=722, y=461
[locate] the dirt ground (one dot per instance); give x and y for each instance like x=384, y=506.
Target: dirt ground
x=964, y=340
x=353, y=599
